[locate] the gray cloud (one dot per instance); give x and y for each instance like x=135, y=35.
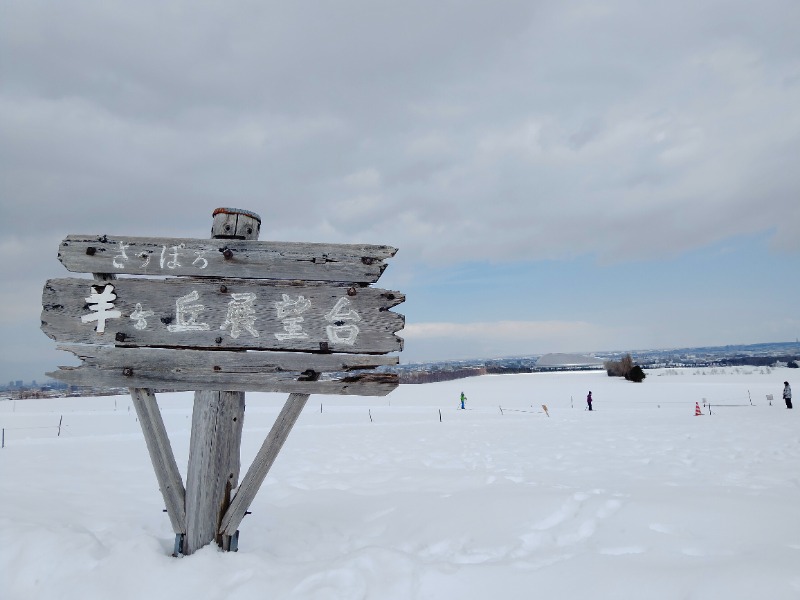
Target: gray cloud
x=509, y=130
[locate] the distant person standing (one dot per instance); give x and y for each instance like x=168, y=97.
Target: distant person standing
x=787, y=394
x=463, y=400
x=589, y=400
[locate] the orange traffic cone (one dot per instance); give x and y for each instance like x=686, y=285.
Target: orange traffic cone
x=697, y=411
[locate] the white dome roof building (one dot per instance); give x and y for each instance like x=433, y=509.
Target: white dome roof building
x=568, y=362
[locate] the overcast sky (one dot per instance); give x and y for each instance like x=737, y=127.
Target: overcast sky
x=557, y=176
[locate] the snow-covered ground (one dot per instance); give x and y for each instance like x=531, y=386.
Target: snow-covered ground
x=637, y=499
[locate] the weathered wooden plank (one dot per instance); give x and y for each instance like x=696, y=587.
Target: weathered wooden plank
x=208, y=362
x=213, y=471
x=362, y=384
x=262, y=463
x=352, y=263
x=162, y=457
x=223, y=314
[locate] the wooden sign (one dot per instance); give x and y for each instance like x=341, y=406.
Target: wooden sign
x=268, y=308
x=222, y=314
x=221, y=317
x=224, y=258
x=180, y=370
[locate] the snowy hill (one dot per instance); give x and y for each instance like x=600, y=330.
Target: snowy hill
x=379, y=499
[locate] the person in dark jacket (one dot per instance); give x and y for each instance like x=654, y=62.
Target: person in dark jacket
x=589, y=400
x=787, y=394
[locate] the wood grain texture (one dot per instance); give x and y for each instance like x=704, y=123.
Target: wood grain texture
x=161, y=455
x=195, y=313
x=363, y=384
x=235, y=223
x=351, y=263
x=262, y=463
x=213, y=471
x=215, y=361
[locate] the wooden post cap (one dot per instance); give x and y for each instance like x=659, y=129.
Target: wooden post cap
x=235, y=223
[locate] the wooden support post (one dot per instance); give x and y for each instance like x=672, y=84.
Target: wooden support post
x=217, y=421
x=262, y=463
x=214, y=464
x=160, y=450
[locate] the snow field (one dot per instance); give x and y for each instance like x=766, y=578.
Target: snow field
x=638, y=498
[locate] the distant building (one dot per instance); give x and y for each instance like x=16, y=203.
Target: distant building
x=568, y=362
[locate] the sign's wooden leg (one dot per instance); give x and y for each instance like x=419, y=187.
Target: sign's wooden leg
x=213, y=470
x=262, y=463
x=160, y=450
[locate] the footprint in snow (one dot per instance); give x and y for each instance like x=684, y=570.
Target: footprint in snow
x=338, y=584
